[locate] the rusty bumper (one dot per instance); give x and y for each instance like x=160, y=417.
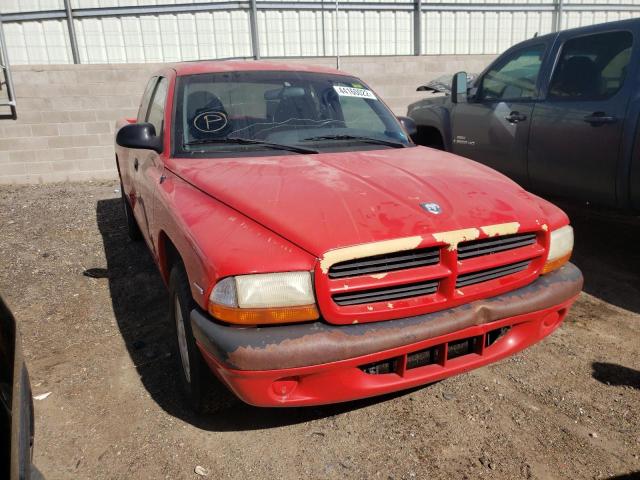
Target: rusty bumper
x=301, y=345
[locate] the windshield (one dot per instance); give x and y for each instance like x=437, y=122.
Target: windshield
x=239, y=112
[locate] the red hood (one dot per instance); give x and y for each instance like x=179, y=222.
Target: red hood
x=330, y=200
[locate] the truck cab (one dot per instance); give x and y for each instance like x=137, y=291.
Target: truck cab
x=556, y=113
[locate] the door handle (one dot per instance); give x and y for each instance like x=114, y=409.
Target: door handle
x=599, y=118
x=515, y=117
x=136, y=164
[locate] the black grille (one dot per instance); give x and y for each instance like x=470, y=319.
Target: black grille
x=425, y=357
x=463, y=347
x=435, y=355
x=385, y=294
x=387, y=262
x=491, y=274
x=488, y=246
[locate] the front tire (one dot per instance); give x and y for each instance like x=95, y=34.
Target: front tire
x=132, y=226
x=195, y=376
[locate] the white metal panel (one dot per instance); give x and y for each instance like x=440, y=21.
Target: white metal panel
x=37, y=42
x=13, y=6
x=170, y=38
x=404, y=29
x=55, y=34
x=219, y=34
x=372, y=33
x=304, y=33
x=112, y=29
x=205, y=35
x=574, y=19
x=356, y=45
x=132, y=39
x=462, y=25
x=310, y=40
x=476, y=32
x=91, y=44
x=16, y=44
x=241, y=45
x=291, y=30
x=151, y=38
x=448, y=33
x=388, y=33
x=188, y=37
x=491, y=32
x=431, y=40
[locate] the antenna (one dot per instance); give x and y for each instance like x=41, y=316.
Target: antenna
x=336, y=39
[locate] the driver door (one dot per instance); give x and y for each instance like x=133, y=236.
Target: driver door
x=148, y=165
x=493, y=126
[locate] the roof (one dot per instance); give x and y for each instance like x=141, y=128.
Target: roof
x=217, y=66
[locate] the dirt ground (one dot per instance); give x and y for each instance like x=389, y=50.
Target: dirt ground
x=93, y=315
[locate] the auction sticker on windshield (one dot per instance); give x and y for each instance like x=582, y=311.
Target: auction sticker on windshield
x=354, y=92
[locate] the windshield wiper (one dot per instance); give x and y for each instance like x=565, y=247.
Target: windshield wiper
x=377, y=141
x=250, y=141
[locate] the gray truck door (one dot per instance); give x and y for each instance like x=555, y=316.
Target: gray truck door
x=576, y=132
x=493, y=127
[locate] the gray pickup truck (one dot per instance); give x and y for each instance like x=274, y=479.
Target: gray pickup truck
x=557, y=113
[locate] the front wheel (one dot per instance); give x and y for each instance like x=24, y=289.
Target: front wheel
x=197, y=381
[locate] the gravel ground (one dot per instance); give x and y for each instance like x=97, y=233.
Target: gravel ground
x=93, y=309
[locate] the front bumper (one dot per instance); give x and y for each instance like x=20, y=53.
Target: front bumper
x=318, y=363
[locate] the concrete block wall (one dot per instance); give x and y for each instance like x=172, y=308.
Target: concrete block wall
x=66, y=113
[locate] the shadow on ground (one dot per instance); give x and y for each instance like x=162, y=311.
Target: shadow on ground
x=617, y=375
x=607, y=251
x=140, y=305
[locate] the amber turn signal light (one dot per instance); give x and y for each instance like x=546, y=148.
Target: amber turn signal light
x=264, y=316
x=555, y=264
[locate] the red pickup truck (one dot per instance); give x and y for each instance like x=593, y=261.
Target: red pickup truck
x=313, y=253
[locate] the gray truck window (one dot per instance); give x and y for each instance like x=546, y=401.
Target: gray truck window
x=144, y=104
x=156, y=108
x=592, y=67
x=515, y=77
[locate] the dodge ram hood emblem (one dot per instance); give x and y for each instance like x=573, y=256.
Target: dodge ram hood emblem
x=432, y=208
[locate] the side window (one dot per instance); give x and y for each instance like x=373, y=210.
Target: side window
x=156, y=108
x=592, y=67
x=144, y=104
x=515, y=77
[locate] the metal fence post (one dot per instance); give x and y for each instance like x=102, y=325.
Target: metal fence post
x=253, y=21
x=557, y=24
x=72, y=32
x=417, y=27
x=8, y=79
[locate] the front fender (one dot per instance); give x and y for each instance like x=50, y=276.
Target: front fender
x=215, y=241
x=435, y=115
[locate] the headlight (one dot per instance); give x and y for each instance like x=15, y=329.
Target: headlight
x=560, y=249
x=264, y=298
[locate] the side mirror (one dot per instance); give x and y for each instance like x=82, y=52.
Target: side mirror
x=459, y=88
x=139, y=135
x=409, y=126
